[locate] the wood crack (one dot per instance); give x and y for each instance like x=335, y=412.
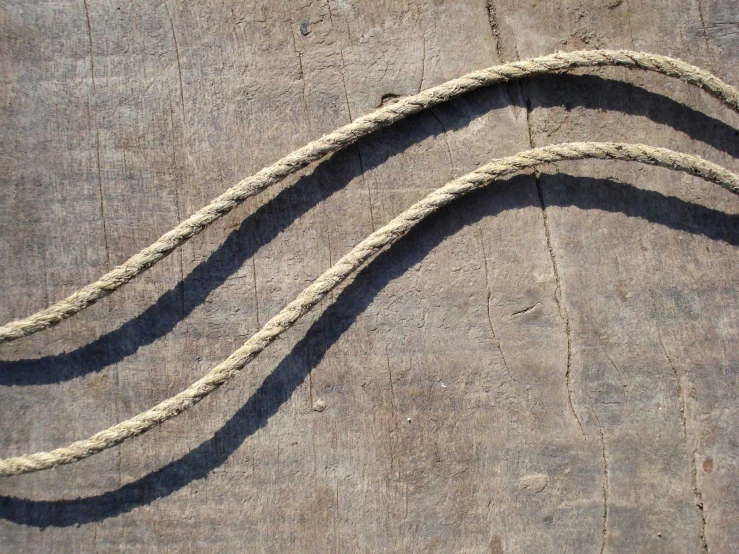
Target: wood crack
x=97, y=134
x=179, y=211
x=494, y=27
x=682, y=407
x=705, y=35
x=606, y=481
x=100, y=192
x=117, y=381
x=561, y=309
x=606, y=487
x=698, y=495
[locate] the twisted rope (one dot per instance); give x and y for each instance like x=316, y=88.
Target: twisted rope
x=362, y=252
x=343, y=137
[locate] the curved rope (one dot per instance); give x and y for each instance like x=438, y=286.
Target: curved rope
x=343, y=137
x=349, y=263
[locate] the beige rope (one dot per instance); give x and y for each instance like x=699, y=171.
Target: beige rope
x=344, y=136
x=370, y=246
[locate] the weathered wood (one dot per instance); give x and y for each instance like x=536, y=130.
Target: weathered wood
x=549, y=365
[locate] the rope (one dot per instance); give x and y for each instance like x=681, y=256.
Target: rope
x=343, y=137
x=348, y=264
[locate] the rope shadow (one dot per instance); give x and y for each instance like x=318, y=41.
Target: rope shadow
x=257, y=230
x=290, y=373
x=609, y=95
x=329, y=176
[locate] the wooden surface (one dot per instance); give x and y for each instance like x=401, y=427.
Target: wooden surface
x=550, y=365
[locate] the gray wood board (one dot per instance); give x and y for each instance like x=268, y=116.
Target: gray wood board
x=549, y=365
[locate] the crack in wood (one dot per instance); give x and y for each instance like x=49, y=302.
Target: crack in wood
x=494, y=27
x=561, y=309
x=682, y=408
x=705, y=34
x=606, y=480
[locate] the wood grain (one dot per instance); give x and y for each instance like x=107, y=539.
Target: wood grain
x=549, y=365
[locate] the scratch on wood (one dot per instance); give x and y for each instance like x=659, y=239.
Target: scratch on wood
x=256, y=295
x=351, y=118
x=443, y=135
x=301, y=76
x=525, y=310
x=89, y=41
x=179, y=64
x=46, y=286
x=628, y=21
x=624, y=384
x=392, y=412
x=310, y=394
x=366, y=184
x=487, y=306
x=336, y=518
x=423, y=64
x=343, y=81
x=679, y=385
x=343, y=66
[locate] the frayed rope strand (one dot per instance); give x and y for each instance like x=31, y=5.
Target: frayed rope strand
x=345, y=136
x=351, y=262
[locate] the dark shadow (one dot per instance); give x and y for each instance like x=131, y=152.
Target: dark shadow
x=260, y=227
x=609, y=95
x=257, y=230
x=612, y=196
x=516, y=193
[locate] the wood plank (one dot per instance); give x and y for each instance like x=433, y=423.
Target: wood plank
x=548, y=365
